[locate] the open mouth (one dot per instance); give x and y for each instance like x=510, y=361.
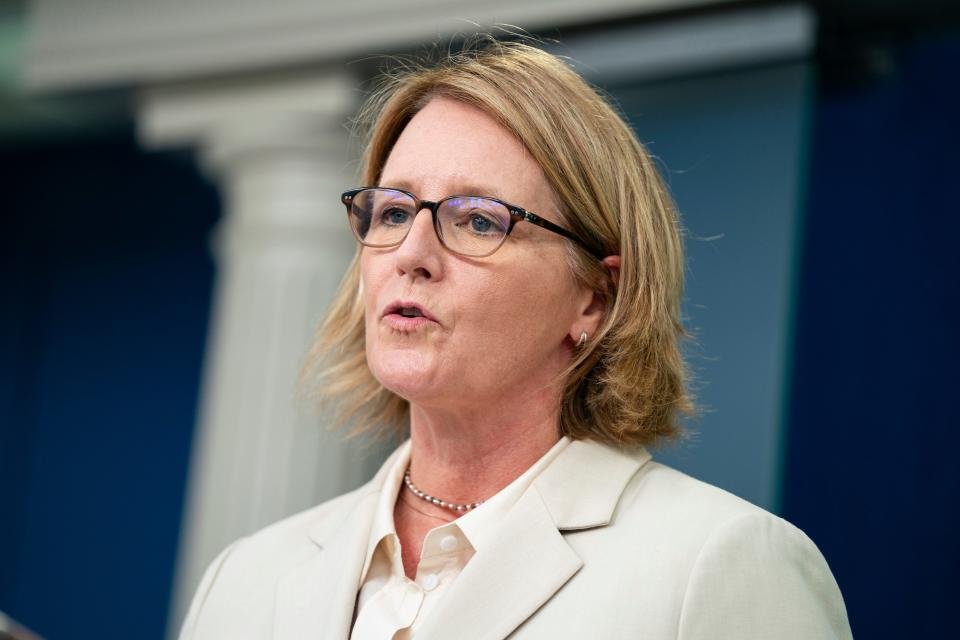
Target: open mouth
x=409, y=310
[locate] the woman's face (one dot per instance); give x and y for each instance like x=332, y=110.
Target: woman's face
x=495, y=327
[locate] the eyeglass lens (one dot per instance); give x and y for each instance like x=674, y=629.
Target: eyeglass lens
x=472, y=226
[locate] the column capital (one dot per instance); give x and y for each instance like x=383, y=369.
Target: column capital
x=292, y=108
x=277, y=145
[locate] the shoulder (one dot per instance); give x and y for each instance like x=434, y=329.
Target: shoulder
x=703, y=522
x=237, y=587
x=675, y=494
x=740, y=571
x=276, y=547
x=285, y=542
x=757, y=575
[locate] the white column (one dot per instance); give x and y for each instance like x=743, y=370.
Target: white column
x=281, y=154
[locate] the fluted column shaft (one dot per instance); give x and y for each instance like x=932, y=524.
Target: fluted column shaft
x=280, y=153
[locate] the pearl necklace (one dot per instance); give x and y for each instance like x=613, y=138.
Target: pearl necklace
x=437, y=501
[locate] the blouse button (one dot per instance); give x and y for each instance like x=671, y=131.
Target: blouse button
x=448, y=543
x=430, y=582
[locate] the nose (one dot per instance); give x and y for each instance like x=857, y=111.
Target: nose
x=420, y=253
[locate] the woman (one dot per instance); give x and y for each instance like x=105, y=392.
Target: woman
x=514, y=303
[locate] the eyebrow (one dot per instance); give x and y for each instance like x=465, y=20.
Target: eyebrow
x=462, y=189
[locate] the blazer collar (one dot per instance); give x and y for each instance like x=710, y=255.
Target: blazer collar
x=582, y=487
x=501, y=586
x=529, y=561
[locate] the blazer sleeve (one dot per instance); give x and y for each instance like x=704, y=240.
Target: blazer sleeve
x=187, y=631
x=757, y=577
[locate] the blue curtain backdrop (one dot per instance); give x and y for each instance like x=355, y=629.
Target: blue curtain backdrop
x=873, y=434
x=107, y=281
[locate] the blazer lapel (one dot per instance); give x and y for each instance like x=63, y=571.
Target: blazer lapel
x=503, y=584
x=583, y=485
x=529, y=561
x=316, y=599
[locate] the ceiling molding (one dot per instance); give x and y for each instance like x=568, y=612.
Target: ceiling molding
x=105, y=43
x=697, y=44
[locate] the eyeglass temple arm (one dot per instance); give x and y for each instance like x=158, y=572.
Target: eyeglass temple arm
x=549, y=226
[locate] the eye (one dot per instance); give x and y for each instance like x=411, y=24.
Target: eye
x=473, y=217
x=394, y=216
x=480, y=224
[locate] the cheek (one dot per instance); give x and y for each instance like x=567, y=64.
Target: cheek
x=370, y=283
x=520, y=319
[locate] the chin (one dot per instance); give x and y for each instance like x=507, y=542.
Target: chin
x=405, y=372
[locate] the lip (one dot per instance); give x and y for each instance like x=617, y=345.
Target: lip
x=392, y=311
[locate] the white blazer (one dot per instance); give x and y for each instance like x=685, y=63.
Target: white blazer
x=603, y=544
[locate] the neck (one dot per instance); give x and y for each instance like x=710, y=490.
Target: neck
x=468, y=456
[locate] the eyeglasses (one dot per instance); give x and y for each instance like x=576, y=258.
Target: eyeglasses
x=473, y=226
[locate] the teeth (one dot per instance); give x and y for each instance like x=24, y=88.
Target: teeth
x=410, y=312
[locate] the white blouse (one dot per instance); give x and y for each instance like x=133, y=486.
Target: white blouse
x=390, y=605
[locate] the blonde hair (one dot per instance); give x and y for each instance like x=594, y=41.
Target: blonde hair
x=627, y=386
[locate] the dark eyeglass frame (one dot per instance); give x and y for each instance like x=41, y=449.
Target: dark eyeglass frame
x=517, y=214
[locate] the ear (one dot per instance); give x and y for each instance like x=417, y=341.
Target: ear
x=594, y=305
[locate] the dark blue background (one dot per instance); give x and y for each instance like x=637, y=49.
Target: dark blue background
x=106, y=281
x=873, y=403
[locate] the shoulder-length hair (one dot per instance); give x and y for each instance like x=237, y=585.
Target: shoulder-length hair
x=627, y=385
